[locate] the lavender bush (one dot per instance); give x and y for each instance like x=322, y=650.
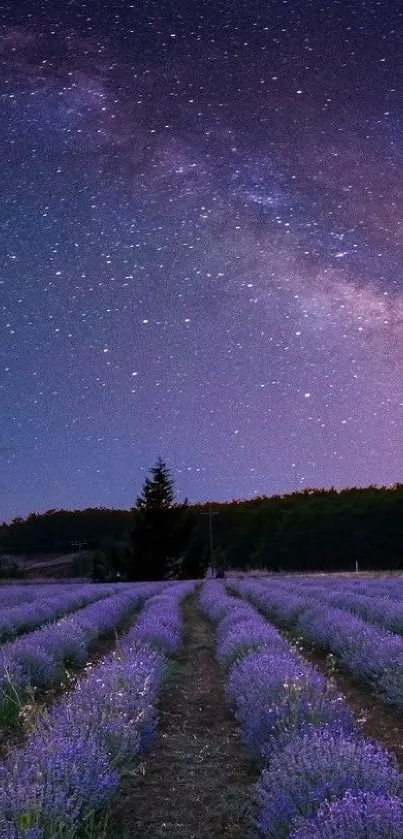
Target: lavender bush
x=297, y=726
x=39, y=659
x=239, y=628
x=317, y=767
x=236, y=637
x=215, y=603
x=273, y=691
x=61, y=781
x=278, y=601
x=160, y=623
x=369, y=652
x=362, y=816
x=372, y=654
x=25, y=616
x=277, y=695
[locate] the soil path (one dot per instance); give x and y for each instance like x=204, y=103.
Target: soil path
x=193, y=784
x=377, y=719
x=16, y=732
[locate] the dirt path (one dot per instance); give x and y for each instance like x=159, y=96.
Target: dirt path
x=15, y=733
x=377, y=720
x=193, y=784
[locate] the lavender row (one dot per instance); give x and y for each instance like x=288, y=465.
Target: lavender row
x=381, y=610
x=376, y=603
x=27, y=616
x=389, y=586
x=289, y=692
x=379, y=606
x=315, y=765
x=373, y=655
x=160, y=622
x=39, y=660
x=15, y=594
x=63, y=780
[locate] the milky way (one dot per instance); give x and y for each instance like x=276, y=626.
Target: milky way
x=201, y=248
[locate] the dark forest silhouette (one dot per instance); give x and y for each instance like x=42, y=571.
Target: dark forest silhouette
x=313, y=530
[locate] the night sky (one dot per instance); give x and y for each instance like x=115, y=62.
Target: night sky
x=201, y=248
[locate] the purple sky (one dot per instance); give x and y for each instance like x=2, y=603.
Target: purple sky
x=201, y=248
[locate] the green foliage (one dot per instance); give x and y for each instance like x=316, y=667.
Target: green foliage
x=82, y=564
x=158, y=490
x=306, y=531
x=316, y=530
x=9, y=568
x=100, y=571
x=163, y=544
x=192, y=559
x=63, y=531
x=219, y=561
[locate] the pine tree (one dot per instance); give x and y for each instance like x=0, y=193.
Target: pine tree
x=156, y=533
x=158, y=491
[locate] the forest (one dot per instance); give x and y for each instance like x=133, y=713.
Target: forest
x=313, y=530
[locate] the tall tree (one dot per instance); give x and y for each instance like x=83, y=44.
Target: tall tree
x=157, y=532
x=158, y=490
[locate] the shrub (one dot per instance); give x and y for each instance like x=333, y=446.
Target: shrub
x=276, y=695
x=362, y=816
x=315, y=767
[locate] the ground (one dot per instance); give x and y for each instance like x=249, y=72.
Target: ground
x=377, y=720
x=194, y=782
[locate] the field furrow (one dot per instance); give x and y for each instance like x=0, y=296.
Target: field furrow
x=44, y=607
x=194, y=783
x=254, y=738
x=316, y=766
x=61, y=782
x=38, y=661
x=368, y=652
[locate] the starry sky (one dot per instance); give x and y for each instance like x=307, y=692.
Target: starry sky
x=201, y=218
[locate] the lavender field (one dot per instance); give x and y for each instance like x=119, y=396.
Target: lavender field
x=143, y=737
x=60, y=780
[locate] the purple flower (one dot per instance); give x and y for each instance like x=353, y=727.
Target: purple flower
x=318, y=766
x=277, y=601
x=19, y=616
x=295, y=722
x=276, y=694
x=160, y=623
x=214, y=602
x=60, y=781
x=361, y=816
x=249, y=631
x=69, y=768
x=370, y=652
x=39, y=659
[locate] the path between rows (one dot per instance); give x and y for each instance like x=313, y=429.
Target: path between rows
x=42, y=699
x=377, y=719
x=194, y=781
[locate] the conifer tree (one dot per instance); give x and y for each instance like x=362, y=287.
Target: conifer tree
x=156, y=542
x=158, y=490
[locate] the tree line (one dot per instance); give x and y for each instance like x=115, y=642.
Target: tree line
x=156, y=539
x=313, y=530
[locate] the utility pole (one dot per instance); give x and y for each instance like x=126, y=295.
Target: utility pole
x=210, y=513
x=79, y=545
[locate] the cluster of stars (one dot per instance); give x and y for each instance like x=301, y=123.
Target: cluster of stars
x=201, y=211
